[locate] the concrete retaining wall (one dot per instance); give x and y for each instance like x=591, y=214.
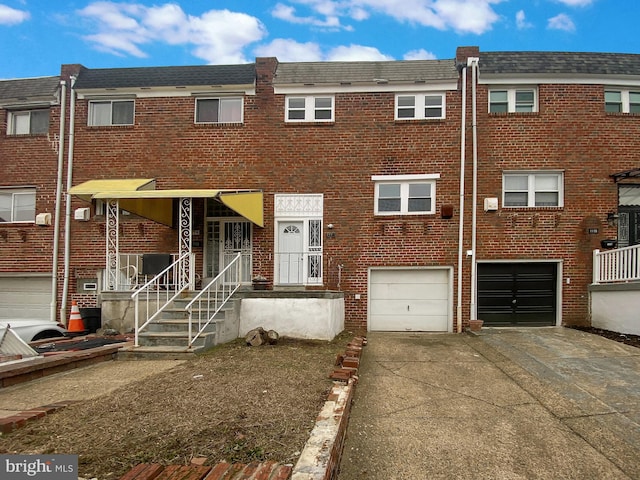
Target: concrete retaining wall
x=615, y=307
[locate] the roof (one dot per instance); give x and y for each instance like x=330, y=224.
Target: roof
x=407, y=71
x=563, y=63
x=29, y=89
x=199, y=75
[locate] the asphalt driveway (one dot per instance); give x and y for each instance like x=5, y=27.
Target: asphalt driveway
x=535, y=403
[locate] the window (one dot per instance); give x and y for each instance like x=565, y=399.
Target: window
x=539, y=189
x=28, y=122
x=622, y=101
x=419, y=106
x=219, y=110
x=405, y=194
x=111, y=112
x=17, y=205
x=309, y=109
x=512, y=100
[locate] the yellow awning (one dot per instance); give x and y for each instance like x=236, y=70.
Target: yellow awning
x=157, y=205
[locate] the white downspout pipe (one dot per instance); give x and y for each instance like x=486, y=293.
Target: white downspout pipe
x=56, y=221
x=463, y=137
x=67, y=225
x=473, y=63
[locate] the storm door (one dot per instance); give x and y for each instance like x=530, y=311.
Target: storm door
x=226, y=238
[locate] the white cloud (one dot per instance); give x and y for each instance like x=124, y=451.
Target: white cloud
x=576, y=3
x=420, y=54
x=288, y=14
x=354, y=53
x=561, y=22
x=11, y=16
x=288, y=50
x=521, y=21
x=217, y=36
x=463, y=16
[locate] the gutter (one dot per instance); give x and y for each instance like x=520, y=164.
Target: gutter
x=67, y=225
x=56, y=228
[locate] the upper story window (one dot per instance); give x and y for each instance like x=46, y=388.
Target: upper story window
x=111, y=112
x=28, y=122
x=512, y=100
x=219, y=110
x=405, y=194
x=420, y=106
x=622, y=101
x=17, y=205
x=309, y=109
x=532, y=189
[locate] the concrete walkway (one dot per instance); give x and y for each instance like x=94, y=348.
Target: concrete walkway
x=506, y=404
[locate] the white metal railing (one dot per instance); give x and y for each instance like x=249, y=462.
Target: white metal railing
x=206, y=304
x=619, y=265
x=159, y=292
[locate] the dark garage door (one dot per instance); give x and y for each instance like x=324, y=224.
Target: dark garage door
x=517, y=294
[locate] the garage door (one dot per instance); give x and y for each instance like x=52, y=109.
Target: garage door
x=517, y=294
x=409, y=300
x=25, y=297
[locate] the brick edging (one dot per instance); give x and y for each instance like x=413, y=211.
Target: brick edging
x=320, y=458
x=19, y=420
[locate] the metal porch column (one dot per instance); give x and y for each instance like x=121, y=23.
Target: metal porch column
x=113, y=244
x=186, y=267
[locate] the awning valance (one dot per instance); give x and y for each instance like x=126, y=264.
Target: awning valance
x=140, y=197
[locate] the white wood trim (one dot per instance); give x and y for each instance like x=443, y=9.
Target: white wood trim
x=401, y=178
x=377, y=88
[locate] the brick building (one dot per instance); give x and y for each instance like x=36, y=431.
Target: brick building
x=380, y=180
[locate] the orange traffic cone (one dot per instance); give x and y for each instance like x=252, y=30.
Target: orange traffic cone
x=75, y=325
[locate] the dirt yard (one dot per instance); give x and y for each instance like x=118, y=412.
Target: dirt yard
x=236, y=403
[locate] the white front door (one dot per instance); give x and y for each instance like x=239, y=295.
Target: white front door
x=291, y=253
x=225, y=239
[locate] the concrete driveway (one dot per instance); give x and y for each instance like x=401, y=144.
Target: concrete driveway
x=536, y=403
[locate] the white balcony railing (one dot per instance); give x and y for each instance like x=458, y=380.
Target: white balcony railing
x=619, y=265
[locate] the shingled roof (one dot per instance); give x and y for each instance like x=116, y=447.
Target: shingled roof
x=561, y=63
x=29, y=89
x=140, y=77
x=409, y=71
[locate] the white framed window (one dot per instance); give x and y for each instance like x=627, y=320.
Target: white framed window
x=17, y=205
x=111, y=112
x=219, y=110
x=420, y=106
x=533, y=189
x=405, y=194
x=513, y=100
x=622, y=101
x=28, y=122
x=309, y=108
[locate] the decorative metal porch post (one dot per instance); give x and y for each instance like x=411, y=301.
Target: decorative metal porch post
x=113, y=246
x=186, y=267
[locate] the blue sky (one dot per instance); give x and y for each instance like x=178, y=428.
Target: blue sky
x=37, y=36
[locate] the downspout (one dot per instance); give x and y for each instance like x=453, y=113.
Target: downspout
x=463, y=137
x=67, y=225
x=56, y=220
x=473, y=63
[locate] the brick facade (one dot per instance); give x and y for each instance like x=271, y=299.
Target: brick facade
x=570, y=133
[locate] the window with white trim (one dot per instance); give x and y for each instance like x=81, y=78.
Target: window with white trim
x=532, y=189
x=621, y=101
x=309, y=109
x=513, y=100
x=405, y=194
x=28, y=122
x=219, y=110
x=111, y=112
x=420, y=106
x=17, y=205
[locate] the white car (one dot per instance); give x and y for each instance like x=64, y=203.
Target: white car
x=32, y=330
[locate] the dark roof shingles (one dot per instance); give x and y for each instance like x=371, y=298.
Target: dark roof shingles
x=29, y=88
x=241, y=74
x=563, y=63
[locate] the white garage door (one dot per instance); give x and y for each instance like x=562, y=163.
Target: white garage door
x=409, y=300
x=25, y=297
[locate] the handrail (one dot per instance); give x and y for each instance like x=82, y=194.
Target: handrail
x=213, y=297
x=619, y=265
x=161, y=289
